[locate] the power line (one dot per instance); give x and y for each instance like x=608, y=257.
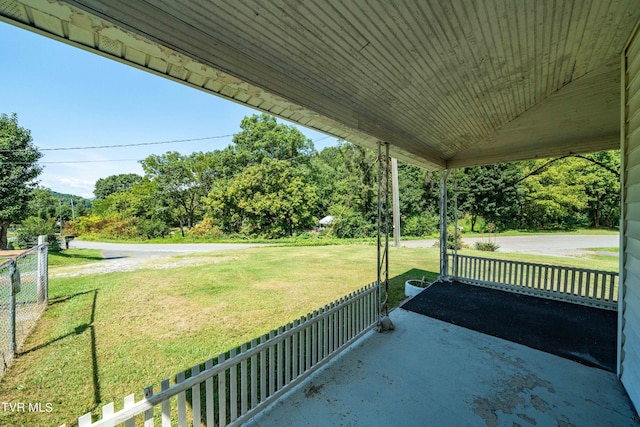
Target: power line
x=105, y=161
x=71, y=161
x=138, y=144
x=135, y=144
x=92, y=161
x=118, y=146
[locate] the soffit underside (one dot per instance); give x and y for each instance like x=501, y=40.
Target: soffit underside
x=446, y=87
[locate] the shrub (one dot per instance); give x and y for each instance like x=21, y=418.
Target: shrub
x=110, y=227
x=454, y=239
x=352, y=224
x=486, y=246
x=33, y=227
x=151, y=228
x=206, y=229
x=419, y=226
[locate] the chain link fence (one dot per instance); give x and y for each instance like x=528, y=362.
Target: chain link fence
x=23, y=298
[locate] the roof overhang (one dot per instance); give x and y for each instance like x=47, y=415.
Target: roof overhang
x=445, y=85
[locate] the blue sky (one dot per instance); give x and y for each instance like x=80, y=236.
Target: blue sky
x=71, y=98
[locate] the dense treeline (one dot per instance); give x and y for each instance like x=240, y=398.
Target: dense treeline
x=271, y=182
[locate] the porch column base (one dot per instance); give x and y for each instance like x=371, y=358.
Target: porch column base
x=385, y=324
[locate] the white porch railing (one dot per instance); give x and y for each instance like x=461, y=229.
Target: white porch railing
x=233, y=387
x=578, y=285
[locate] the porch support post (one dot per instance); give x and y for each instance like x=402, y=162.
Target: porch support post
x=456, y=230
x=396, y=202
x=384, y=323
x=444, y=262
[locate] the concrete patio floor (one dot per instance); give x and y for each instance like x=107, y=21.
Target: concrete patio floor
x=430, y=373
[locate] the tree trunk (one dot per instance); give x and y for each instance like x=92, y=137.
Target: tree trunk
x=181, y=227
x=4, y=228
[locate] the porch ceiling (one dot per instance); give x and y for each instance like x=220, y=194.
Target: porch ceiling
x=447, y=85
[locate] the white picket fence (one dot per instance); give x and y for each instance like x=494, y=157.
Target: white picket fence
x=233, y=387
x=577, y=285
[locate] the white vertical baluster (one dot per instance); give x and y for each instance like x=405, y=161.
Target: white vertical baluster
x=612, y=281
x=272, y=365
x=148, y=414
x=329, y=322
x=222, y=394
x=307, y=341
x=339, y=323
x=263, y=371
x=254, y=376
x=195, y=398
x=107, y=412
x=233, y=387
x=279, y=360
x=244, y=380
x=166, y=405
x=301, y=346
x=129, y=401
x=294, y=352
x=85, y=420
x=287, y=356
x=209, y=396
x=314, y=340
x=182, y=402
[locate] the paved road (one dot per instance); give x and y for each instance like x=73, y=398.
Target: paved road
x=544, y=244
x=119, y=250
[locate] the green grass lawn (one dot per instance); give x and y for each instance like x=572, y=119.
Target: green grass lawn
x=106, y=336
x=74, y=257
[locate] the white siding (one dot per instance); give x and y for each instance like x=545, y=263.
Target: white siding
x=629, y=339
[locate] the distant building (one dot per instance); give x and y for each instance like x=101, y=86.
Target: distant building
x=325, y=222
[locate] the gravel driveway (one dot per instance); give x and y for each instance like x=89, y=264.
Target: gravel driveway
x=120, y=257
x=114, y=250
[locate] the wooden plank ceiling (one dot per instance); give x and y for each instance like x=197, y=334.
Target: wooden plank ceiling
x=447, y=84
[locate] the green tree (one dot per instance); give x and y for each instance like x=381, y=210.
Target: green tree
x=418, y=207
x=115, y=183
x=261, y=137
x=32, y=227
x=271, y=199
x=139, y=207
x=555, y=195
x=42, y=204
x=351, y=196
x=181, y=181
x=491, y=192
x=599, y=173
x=18, y=171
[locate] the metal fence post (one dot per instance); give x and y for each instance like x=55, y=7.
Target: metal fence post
x=41, y=276
x=14, y=274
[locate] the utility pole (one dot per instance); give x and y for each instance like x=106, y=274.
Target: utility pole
x=60, y=207
x=73, y=214
x=395, y=202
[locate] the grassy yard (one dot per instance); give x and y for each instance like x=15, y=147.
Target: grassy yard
x=74, y=257
x=107, y=335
